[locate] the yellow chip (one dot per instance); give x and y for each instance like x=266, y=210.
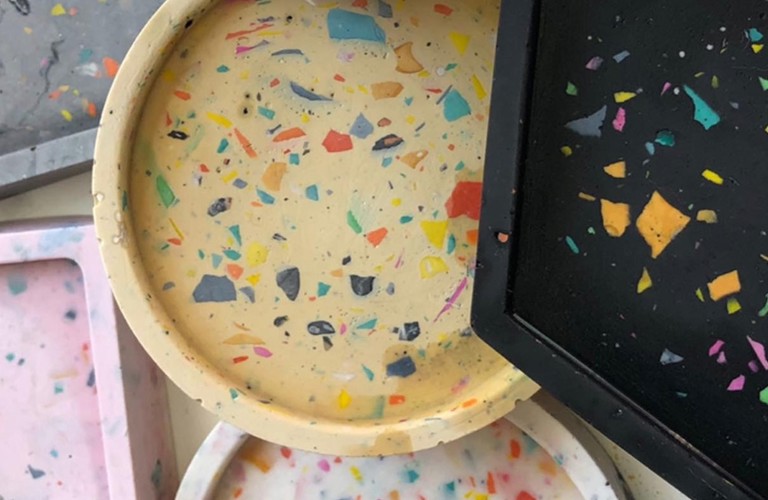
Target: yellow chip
x=712, y=177
x=645, y=282
x=707, y=216
x=621, y=97
x=733, y=306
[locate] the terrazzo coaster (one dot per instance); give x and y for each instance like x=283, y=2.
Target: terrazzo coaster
x=498, y=462
x=287, y=196
x=84, y=411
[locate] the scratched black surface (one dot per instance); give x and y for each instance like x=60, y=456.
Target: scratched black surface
x=34, y=64
x=587, y=303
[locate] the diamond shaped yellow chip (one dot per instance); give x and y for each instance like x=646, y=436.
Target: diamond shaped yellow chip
x=660, y=223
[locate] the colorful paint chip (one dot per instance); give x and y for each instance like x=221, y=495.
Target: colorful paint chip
x=702, y=112
x=712, y=177
x=616, y=217
x=724, y=285
x=645, y=282
x=659, y=223
x=617, y=170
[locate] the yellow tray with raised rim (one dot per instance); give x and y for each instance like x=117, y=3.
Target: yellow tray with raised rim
x=287, y=195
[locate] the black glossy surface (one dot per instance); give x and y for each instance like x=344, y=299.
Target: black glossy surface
x=575, y=323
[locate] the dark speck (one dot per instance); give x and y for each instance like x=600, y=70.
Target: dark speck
x=280, y=321
x=361, y=285
x=178, y=134
x=157, y=475
x=346, y=260
x=385, y=10
x=188, y=24
x=288, y=52
x=214, y=289
x=279, y=237
x=289, y=281
x=307, y=94
x=387, y=142
x=320, y=328
x=410, y=332
x=327, y=344
x=91, y=379
x=403, y=367
x=36, y=473
x=248, y=292
x=71, y=314
x=21, y=6
x=219, y=206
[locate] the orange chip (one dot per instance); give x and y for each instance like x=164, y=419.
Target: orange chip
x=472, y=236
x=724, y=285
x=413, y=159
x=287, y=135
x=396, y=399
x=376, y=237
x=617, y=170
x=386, y=90
x=659, y=223
x=111, y=66
x=273, y=176
x=234, y=271
x=615, y=217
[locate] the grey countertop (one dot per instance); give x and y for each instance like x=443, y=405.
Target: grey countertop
x=57, y=61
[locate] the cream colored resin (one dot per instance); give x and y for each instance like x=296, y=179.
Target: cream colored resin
x=250, y=159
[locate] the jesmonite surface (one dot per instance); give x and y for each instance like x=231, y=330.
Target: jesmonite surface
x=287, y=196
x=51, y=415
x=498, y=462
x=84, y=411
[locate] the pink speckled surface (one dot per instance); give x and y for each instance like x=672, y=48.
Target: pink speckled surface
x=51, y=431
x=84, y=412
